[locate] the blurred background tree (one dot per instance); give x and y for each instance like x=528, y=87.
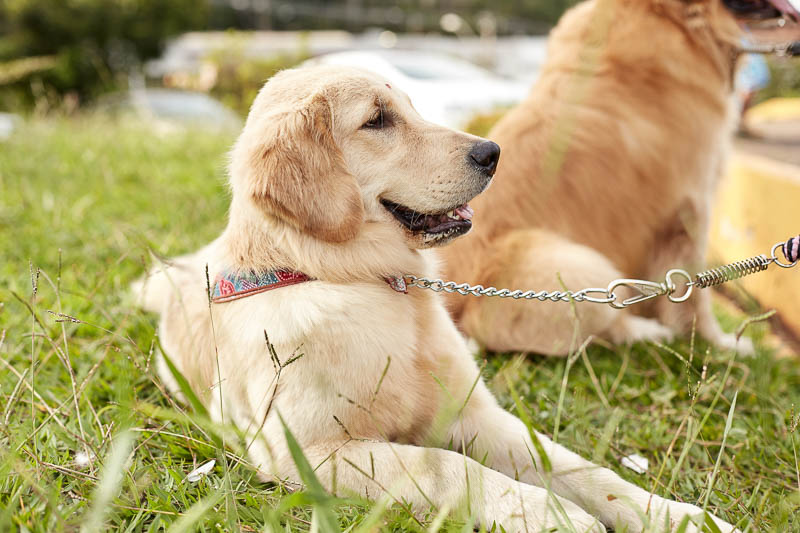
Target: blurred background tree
x=64, y=53
x=78, y=48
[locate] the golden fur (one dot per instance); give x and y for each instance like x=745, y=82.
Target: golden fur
x=608, y=171
x=385, y=382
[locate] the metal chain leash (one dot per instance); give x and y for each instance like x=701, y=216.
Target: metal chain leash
x=643, y=289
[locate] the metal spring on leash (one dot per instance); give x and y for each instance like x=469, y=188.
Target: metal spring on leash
x=642, y=290
x=731, y=271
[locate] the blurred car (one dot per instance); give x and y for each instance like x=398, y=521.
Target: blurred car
x=172, y=106
x=444, y=89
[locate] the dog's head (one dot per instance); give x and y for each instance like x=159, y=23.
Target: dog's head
x=326, y=150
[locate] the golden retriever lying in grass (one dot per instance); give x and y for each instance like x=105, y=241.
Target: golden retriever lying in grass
x=339, y=185
x=609, y=168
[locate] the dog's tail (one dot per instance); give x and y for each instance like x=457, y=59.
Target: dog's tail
x=151, y=290
x=165, y=279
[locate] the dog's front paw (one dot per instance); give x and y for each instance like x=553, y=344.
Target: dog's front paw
x=742, y=345
x=672, y=514
x=634, y=328
x=713, y=333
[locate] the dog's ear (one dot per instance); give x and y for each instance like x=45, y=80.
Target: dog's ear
x=294, y=170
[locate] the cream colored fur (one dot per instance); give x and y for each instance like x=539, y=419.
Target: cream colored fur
x=308, y=199
x=609, y=168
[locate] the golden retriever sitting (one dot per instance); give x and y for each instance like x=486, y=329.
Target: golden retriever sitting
x=609, y=168
x=338, y=186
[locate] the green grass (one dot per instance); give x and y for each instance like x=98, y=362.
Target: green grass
x=81, y=203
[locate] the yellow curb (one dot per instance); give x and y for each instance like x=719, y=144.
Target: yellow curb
x=775, y=109
x=758, y=204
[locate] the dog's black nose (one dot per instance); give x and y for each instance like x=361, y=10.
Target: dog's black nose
x=485, y=154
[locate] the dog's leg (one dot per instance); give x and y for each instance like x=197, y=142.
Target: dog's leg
x=539, y=260
x=489, y=432
x=425, y=478
x=684, y=245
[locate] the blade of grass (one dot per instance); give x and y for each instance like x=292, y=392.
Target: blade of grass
x=110, y=483
x=725, y=434
x=564, y=380
x=195, y=513
x=546, y=466
x=184, y=386
x=323, y=503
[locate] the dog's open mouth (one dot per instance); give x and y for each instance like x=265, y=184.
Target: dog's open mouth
x=452, y=222
x=764, y=9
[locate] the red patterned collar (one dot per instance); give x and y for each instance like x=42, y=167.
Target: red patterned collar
x=230, y=285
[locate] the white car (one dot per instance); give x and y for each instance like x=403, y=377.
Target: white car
x=444, y=89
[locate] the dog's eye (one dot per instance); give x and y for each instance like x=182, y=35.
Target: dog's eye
x=375, y=122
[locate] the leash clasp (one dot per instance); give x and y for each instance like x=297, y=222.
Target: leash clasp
x=644, y=290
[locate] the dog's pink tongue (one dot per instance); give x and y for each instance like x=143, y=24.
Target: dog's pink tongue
x=465, y=212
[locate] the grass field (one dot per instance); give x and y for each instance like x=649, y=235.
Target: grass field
x=89, y=439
